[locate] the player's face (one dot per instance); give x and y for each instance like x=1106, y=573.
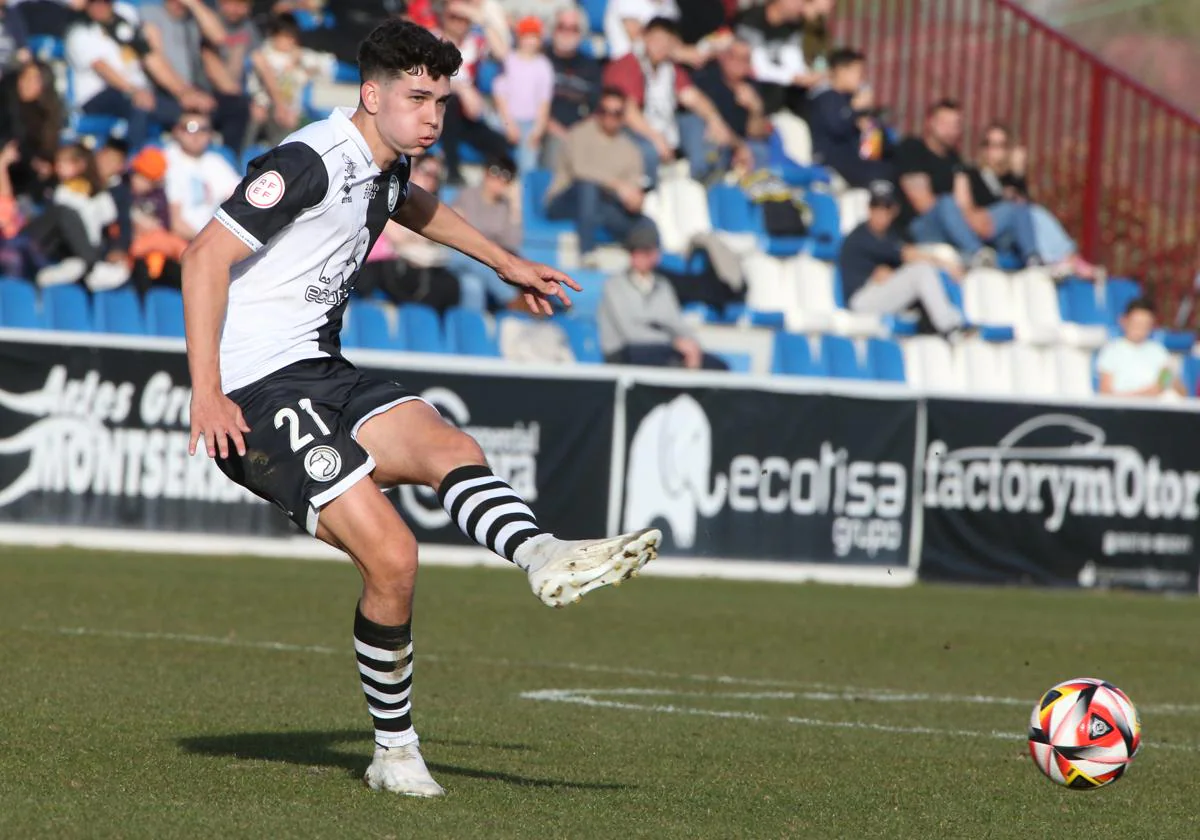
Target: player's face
x=410, y=111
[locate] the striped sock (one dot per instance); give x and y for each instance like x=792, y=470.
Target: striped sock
x=487, y=510
x=385, y=656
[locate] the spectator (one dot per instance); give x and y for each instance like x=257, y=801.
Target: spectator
x=726, y=82
x=547, y=11
x=283, y=69
x=599, y=177
x=198, y=178
x=154, y=248
x=494, y=208
x=31, y=113
x=226, y=61
x=110, y=58
x=576, y=80
x=656, y=88
x=14, y=248
x=837, y=113
x=775, y=33
x=523, y=93
x=1000, y=177
x=640, y=320
x=178, y=30
x=884, y=276
x=406, y=266
x=1135, y=365
x=625, y=22
x=466, y=110
x=71, y=235
x=932, y=184
x=14, y=39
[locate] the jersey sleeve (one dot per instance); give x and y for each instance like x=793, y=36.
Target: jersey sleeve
x=400, y=172
x=279, y=186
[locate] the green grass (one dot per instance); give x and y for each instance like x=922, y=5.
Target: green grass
x=134, y=703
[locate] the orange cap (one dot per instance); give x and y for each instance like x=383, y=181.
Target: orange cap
x=529, y=26
x=151, y=163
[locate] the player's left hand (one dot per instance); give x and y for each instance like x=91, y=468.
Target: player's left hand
x=539, y=284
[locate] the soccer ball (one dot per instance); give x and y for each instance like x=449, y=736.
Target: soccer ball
x=1084, y=733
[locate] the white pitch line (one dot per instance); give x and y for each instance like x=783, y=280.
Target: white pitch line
x=586, y=697
x=799, y=690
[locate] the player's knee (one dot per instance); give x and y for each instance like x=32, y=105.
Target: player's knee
x=459, y=451
x=390, y=565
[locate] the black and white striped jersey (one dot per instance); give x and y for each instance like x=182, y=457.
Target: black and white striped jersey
x=311, y=208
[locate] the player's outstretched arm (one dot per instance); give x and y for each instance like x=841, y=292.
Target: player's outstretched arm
x=215, y=418
x=425, y=214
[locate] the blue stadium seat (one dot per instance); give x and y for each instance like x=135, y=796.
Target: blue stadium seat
x=421, y=329
x=1120, y=293
x=47, y=48
x=1190, y=374
x=767, y=320
x=1079, y=303
x=886, y=360
x=538, y=228
x=953, y=290
x=584, y=339
x=467, y=333
x=347, y=73
x=732, y=210
x=369, y=328
x=1177, y=341
x=486, y=74
x=595, y=13
x=251, y=153
x=732, y=313
x=793, y=355
x=585, y=304
x=793, y=173
x=119, y=311
x=19, y=304
x=68, y=308
x=164, y=312
x=826, y=229
x=702, y=311
x=841, y=356
x=736, y=362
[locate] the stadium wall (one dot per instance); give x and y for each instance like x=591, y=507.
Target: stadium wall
x=762, y=478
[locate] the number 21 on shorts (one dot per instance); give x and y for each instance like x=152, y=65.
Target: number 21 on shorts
x=289, y=416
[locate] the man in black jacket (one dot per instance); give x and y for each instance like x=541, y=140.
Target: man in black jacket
x=836, y=114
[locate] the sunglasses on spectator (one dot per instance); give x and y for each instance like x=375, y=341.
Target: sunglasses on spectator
x=195, y=127
x=567, y=27
x=500, y=172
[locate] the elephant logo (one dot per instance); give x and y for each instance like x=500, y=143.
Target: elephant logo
x=670, y=470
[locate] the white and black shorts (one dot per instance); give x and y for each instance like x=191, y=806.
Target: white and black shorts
x=302, y=450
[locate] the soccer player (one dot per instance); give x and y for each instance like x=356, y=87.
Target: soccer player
x=265, y=286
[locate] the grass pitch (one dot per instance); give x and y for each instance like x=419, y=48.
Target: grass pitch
x=166, y=697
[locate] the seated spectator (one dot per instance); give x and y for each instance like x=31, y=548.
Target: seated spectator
x=494, y=208
x=882, y=275
x=31, y=113
x=116, y=70
x=599, y=177
x=547, y=11
x=837, y=114
x=466, y=112
x=226, y=62
x=406, y=266
x=1000, y=177
x=625, y=22
x=726, y=82
x=15, y=256
x=198, y=178
x=655, y=89
x=523, y=92
x=179, y=31
x=283, y=69
x=775, y=33
x=932, y=184
x=1135, y=365
x=154, y=248
x=14, y=39
x=576, y=80
x=72, y=235
x=640, y=320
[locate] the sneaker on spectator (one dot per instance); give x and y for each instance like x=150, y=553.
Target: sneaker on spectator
x=70, y=270
x=985, y=257
x=1073, y=266
x=107, y=275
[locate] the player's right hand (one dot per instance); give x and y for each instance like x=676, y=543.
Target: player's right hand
x=216, y=420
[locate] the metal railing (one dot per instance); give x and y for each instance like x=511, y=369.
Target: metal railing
x=1118, y=164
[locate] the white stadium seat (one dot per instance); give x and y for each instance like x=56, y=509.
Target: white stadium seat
x=1074, y=367
x=987, y=368
x=816, y=308
x=1034, y=370
x=930, y=363
x=1039, y=319
x=853, y=206
x=679, y=206
x=988, y=298
x=797, y=139
x=766, y=290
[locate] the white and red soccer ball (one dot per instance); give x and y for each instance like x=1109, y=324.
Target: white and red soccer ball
x=1084, y=733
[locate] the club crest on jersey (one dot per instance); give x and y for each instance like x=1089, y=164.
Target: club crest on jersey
x=266, y=190
x=393, y=192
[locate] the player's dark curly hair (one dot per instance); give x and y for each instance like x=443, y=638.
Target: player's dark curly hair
x=399, y=46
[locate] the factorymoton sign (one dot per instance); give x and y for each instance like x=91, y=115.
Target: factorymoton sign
x=1086, y=495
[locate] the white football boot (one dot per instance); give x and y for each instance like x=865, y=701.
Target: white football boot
x=563, y=571
x=401, y=770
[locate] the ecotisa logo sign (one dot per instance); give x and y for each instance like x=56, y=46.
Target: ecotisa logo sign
x=1070, y=471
